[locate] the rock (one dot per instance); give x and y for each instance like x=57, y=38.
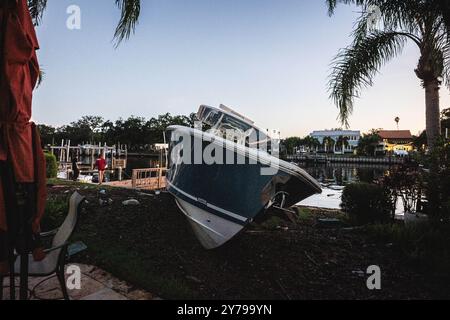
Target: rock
x=143, y=194
x=194, y=279
x=131, y=202
x=102, y=192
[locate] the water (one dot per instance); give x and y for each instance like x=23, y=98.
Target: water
x=338, y=174
x=333, y=177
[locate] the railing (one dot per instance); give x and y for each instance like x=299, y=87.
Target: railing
x=347, y=159
x=149, y=179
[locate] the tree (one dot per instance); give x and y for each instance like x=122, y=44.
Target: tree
x=420, y=141
x=397, y=121
x=47, y=134
x=311, y=143
x=342, y=143
x=131, y=10
x=445, y=121
x=291, y=144
x=328, y=143
x=425, y=23
x=368, y=143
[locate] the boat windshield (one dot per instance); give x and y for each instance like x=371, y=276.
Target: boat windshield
x=233, y=128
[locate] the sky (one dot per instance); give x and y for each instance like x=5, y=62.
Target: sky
x=267, y=59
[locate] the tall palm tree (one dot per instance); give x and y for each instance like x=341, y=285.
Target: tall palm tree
x=328, y=143
x=397, y=121
x=131, y=10
x=425, y=23
x=342, y=143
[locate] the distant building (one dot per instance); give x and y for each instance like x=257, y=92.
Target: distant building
x=399, y=142
x=351, y=137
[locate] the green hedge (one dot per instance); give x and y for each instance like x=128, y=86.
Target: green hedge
x=52, y=165
x=366, y=203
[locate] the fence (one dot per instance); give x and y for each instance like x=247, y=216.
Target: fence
x=149, y=179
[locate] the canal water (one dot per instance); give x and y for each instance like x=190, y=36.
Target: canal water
x=334, y=177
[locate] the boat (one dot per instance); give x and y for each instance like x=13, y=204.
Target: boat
x=223, y=178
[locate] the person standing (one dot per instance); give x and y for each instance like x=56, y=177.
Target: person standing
x=75, y=169
x=100, y=164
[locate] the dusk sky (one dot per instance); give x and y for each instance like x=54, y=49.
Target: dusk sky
x=268, y=59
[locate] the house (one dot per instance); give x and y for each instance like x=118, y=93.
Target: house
x=399, y=142
x=351, y=137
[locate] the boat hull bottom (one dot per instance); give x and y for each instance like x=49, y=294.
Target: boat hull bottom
x=211, y=230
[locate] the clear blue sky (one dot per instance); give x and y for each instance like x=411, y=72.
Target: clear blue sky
x=267, y=59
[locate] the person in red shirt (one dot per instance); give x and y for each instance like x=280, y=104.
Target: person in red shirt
x=100, y=164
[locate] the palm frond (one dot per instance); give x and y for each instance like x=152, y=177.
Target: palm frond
x=131, y=10
x=332, y=4
x=37, y=8
x=395, y=14
x=446, y=57
x=40, y=77
x=356, y=66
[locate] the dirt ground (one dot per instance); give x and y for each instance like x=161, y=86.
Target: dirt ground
x=152, y=246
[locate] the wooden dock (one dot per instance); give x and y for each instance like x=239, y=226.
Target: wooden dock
x=144, y=179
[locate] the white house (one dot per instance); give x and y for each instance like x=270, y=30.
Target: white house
x=352, y=138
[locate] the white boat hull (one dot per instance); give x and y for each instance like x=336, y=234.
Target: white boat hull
x=211, y=230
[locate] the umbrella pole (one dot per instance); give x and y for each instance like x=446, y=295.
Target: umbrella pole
x=24, y=277
x=12, y=279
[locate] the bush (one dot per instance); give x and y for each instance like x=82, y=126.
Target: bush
x=438, y=182
x=52, y=165
x=55, y=213
x=366, y=203
x=423, y=243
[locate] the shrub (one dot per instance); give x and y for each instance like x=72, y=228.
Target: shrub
x=438, y=182
x=425, y=244
x=366, y=203
x=52, y=165
x=55, y=213
x=404, y=182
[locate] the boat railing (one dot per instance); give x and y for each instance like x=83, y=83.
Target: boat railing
x=149, y=179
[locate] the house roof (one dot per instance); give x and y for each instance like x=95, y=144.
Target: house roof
x=395, y=134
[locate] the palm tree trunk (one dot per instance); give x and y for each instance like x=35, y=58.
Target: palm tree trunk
x=432, y=112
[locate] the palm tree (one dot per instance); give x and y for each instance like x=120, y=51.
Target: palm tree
x=424, y=22
x=397, y=120
x=311, y=143
x=342, y=143
x=327, y=143
x=131, y=10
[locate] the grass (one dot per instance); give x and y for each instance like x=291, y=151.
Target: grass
x=142, y=246
x=304, y=214
x=108, y=253
x=126, y=264
x=424, y=244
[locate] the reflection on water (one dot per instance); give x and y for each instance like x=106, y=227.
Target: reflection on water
x=339, y=174
x=335, y=175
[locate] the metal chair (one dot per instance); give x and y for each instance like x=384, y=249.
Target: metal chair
x=55, y=261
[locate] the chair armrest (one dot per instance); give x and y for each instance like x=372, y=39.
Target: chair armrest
x=49, y=233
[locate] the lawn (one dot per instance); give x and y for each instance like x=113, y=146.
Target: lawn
x=152, y=247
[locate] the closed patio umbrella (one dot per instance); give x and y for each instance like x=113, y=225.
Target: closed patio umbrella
x=22, y=163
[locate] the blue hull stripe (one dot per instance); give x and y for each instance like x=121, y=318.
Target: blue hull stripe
x=207, y=207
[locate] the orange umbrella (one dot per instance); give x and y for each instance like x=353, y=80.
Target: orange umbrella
x=22, y=163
